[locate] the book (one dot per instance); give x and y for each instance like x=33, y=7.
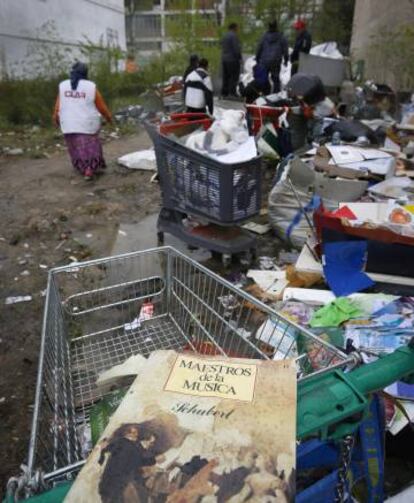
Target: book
x=194, y=429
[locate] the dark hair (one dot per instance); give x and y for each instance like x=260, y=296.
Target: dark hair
x=233, y=26
x=194, y=59
x=273, y=26
x=79, y=71
x=203, y=63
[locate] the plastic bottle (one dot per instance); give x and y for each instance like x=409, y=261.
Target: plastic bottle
x=336, y=138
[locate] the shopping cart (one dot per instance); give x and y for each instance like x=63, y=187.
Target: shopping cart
x=87, y=329
x=194, y=186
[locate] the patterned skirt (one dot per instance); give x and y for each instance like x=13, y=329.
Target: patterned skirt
x=85, y=151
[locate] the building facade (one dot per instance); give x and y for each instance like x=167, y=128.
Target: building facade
x=148, y=22
x=52, y=24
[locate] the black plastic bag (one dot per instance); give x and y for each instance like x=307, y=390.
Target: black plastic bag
x=351, y=130
x=307, y=87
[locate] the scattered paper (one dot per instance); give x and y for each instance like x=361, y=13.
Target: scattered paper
x=273, y=282
x=16, y=300
x=346, y=153
x=268, y=263
x=309, y=295
x=391, y=145
x=394, y=187
x=131, y=366
x=401, y=390
x=380, y=167
x=257, y=228
x=245, y=152
x=146, y=313
x=280, y=336
x=400, y=421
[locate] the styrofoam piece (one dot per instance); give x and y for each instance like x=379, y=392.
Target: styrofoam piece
x=143, y=159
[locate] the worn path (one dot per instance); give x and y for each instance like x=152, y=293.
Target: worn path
x=49, y=214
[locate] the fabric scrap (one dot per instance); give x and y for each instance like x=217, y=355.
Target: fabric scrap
x=335, y=313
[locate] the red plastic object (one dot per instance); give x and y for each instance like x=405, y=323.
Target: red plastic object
x=323, y=218
x=185, y=116
x=260, y=115
x=179, y=120
x=172, y=88
x=344, y=212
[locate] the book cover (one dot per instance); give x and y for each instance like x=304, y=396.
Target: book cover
x=194, y=429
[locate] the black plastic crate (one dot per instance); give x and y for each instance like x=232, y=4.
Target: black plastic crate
x=200, y=186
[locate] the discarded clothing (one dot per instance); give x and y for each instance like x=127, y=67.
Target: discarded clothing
x=335, y=313
x=351, y=130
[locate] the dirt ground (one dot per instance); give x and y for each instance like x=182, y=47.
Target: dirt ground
x=45, y=206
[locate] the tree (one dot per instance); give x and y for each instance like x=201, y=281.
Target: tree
x=390, y=57
x=334, y=23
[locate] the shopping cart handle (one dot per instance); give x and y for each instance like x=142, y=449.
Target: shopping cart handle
x=332, y=404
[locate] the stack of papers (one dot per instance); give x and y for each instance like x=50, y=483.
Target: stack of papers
x=361, y=159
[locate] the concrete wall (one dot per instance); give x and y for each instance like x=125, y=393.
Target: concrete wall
x=21, y=20
x=370, y=18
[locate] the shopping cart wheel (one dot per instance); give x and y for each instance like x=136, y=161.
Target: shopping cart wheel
x=226, y=259
x=160, y=238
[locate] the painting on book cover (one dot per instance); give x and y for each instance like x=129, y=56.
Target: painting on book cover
x=198, y=430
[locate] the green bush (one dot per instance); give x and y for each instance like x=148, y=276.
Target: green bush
x=27, y=101
x=32, y=101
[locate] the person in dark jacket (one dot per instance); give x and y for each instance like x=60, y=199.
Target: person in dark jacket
x=259, y=86
x=303, y=43
x=193, y=65
x=231, y=58
x=272, y=49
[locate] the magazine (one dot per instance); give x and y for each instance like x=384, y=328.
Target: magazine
x=194, y=429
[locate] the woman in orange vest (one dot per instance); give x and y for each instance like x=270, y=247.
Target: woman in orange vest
x=78, y=111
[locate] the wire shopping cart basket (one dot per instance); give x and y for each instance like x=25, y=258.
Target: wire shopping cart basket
x=89, y=327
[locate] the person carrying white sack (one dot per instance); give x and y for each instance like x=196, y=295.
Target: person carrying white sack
x=198, y=90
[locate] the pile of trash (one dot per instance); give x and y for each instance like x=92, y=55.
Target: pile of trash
x=343, y=195
x=226, y=140
x=373, y=323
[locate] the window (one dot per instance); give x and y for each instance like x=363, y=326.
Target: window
x=146, y=26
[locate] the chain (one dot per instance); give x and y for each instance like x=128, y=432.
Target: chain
x=346, y=454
